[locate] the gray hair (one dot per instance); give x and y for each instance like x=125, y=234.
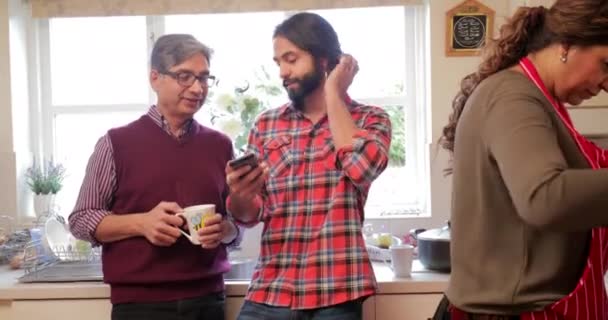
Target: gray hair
x=172, y=49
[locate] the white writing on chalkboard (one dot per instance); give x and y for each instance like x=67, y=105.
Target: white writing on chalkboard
x=469, y=31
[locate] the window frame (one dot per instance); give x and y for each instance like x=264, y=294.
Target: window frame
x=415, y=109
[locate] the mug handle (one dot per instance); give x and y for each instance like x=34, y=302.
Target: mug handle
x=187, y=235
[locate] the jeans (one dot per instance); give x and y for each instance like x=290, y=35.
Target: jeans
x=210, y=307
x=351, y=310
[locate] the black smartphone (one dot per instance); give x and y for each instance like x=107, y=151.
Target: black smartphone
x=249, y=159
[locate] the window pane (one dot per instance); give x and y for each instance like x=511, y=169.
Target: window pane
x=75, y=139
x=393, y=192
x=242, y=44
x=394, y=187
x=98, y=60
x=376, y=38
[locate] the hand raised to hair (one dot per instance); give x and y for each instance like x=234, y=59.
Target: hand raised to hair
x=341, y=77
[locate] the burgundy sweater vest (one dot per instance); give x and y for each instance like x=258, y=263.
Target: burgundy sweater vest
x=151, y=167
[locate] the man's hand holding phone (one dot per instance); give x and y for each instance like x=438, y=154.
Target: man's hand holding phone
x=247, y=160
x=245, y=176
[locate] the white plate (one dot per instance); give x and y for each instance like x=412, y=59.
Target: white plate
x=57, y=237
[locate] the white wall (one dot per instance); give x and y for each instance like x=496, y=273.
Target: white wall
x=8, y=189
x=19, y=24
x=15, y=152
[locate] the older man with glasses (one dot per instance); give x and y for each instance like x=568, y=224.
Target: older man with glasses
x=140, y=175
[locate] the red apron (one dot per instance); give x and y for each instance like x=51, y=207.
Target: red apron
x=588, y=301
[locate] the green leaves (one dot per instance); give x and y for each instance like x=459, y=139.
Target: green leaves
x=397, y=150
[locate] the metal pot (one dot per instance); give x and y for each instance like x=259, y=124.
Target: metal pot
x=433, y=247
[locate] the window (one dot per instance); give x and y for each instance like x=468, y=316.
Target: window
x=365, y=33
x=98, y=61
x=97, y=71
x=240, y=53
x=95, y=79
x=388, y=77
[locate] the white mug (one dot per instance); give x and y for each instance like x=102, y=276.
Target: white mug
x=195, y=217
x=402, y=256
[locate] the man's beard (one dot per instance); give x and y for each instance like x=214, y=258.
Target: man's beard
x=306, y=85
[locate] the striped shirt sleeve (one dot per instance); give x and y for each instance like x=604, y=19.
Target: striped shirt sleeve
x=236, y=241
x=95, y=197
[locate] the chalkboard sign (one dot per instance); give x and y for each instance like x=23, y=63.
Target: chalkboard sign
x=468, y=26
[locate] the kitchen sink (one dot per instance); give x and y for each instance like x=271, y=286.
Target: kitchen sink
x=240, y=269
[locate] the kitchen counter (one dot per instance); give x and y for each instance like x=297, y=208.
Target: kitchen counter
x=422, y=281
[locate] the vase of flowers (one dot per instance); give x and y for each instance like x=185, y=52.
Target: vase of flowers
x=234, y=112
x=45, y=181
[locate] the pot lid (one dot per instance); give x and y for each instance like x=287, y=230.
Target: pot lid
x=440, y=234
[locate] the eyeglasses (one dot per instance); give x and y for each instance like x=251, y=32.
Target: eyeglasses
x=186, y=79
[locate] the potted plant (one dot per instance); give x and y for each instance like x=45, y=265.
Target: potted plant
x=45, y=181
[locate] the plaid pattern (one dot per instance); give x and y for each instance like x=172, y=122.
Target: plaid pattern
x=312, y=252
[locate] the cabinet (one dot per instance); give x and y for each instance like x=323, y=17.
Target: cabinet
x=233, y=306
x=76, y=309
x=406, y=306
x=90, y=309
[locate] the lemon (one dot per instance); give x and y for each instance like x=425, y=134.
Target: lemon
x=385, y=240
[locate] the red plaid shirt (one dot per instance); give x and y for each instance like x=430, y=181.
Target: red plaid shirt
x=312, y=251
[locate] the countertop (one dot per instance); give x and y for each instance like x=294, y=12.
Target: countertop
x=421, y=281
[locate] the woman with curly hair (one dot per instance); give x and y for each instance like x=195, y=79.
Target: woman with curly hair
x=530, y=196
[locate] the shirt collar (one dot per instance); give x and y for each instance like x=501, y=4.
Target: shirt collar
x=160, y=120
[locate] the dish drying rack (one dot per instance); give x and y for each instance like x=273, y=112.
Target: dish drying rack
x=37, y=252
x=378, y=254
x=42, y=263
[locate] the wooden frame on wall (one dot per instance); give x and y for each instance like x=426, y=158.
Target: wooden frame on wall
x=469, y=26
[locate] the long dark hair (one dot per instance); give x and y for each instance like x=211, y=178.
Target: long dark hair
x=312, y=33
x=570, y=22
